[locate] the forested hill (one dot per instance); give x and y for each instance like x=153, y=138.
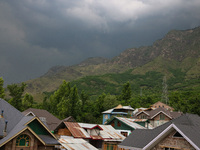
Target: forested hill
x=176, y=56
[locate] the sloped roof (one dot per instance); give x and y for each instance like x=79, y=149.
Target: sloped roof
x=152, y=113
x=118, y=108
x=51, y=120
x=69, y=119
x=10, y=114
x=22, y=126
x=17, y=123
x=110, y=134
x=75, y=144
x=129, y=122
x=76, y=130
x=162, y=104
x=187, y=125
x=107, y=132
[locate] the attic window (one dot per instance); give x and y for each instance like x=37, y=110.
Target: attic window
x=177, y=134
x=23, y=140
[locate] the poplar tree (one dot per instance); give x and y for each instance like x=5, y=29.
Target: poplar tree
x=59, y=95
x=126, y=93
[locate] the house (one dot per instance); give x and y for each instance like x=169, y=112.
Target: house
x=100, y=136
x=160, y=104
x=117, y=111
x=126, y=125
x=19, y=132
x=181, y=133
x=157, y=116
x=47, y=118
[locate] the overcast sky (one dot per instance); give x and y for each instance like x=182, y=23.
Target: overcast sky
x=38, y=34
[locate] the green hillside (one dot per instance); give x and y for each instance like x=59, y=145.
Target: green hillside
x=176, y=56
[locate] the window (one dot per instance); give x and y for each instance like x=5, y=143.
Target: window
x=111, y=146
x=162, y=117
x=143, y=116
x=23, y=140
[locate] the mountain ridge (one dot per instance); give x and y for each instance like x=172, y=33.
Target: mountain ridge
x=178, y=49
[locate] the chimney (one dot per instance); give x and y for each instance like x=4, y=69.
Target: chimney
x=5, y=129
x=1, y=114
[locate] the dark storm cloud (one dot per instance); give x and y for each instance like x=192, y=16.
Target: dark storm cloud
x=38, y=34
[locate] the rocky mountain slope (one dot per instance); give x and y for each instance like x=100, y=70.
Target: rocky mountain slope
x=177, y=50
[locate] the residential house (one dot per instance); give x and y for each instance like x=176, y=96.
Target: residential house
x=157, y=116
x=182, y=133
x=100, y=136
x=19, y=132
x=160, y=104
x=117, y=111
x=126, y=125
x=46, y=117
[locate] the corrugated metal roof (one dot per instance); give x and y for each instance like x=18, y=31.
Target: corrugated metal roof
x=107, y=132
x=130, y=122
x=89, y=126
x=76, y=144
x=110, y=134
x=76, y=130
x=140, y=120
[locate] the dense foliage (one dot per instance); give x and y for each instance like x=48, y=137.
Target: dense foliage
x=85, y=99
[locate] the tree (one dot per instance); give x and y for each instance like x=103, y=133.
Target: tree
x=110, y=101
x=16, y=92
x=62, y=93
x=75, y=102
x=65, y=101
x=2, y=94
x=126, y=93
x=27, y=101
x=177, y=102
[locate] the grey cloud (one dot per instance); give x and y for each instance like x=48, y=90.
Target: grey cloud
x=38, y=34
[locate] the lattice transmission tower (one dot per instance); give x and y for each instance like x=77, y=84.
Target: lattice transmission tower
x=165, y=97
